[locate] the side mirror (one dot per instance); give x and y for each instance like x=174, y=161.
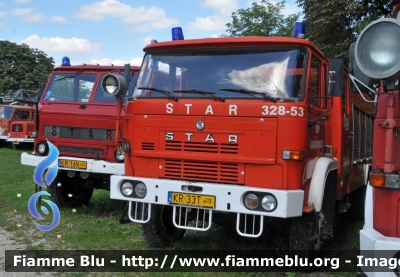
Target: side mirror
x=356, y=71
x=335, y=77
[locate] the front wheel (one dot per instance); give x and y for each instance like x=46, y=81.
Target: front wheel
x=160, y=231
x=69, y=192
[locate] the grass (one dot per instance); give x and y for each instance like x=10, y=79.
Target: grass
x=97, y=227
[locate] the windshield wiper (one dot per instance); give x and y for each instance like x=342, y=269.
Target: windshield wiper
x=69, y=76
x=209, y=93
x=165, y=92
x=250, y=92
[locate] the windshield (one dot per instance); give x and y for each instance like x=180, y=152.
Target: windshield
x=6, y=112
x=70, y=87
x=255, y=74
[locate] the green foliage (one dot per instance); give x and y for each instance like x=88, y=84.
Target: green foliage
x=264, y=19
x=334, y=24
x=22, y=66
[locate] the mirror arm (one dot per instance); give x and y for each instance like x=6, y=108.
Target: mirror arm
x=313, y=122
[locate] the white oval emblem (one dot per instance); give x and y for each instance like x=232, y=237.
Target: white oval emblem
x=200, y=125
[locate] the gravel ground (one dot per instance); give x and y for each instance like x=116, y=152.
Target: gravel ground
x=6, y=243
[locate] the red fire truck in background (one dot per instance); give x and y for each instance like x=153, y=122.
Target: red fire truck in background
x=16, y=123
x=376, y=56
x=79, y=119
x=239, y=131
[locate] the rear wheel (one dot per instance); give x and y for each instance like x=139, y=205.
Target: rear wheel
x=160, y=231
x=70, y=192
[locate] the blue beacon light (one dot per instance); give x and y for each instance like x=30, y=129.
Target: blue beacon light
x=65, y=62
x=299, y=30
x=177, y=33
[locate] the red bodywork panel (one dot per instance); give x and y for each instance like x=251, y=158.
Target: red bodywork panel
x=387, y=212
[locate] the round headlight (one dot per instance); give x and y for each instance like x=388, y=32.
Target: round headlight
x=41, y=148
x=127, y=189
x=269, y=202
x=114, y=85
x=141, y=190
x=119, y=155
x=251, y=201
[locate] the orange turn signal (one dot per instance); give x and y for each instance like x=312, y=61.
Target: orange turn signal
x=377, y=179
x=118, y=146
x=292, y=155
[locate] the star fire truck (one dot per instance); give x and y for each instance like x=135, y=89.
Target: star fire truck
x=238, y=131
x=376, y=56
x=16, y=124
x=77, y=117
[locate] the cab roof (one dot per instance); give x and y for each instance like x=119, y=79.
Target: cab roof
x=229, y=42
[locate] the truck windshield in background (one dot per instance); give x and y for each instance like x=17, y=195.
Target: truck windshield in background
x=6, y=112
x=79, y=88
x=228, y=74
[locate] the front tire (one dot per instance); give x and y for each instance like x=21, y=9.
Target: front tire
x=160, y=231
x=309, y=232
x=69, y=192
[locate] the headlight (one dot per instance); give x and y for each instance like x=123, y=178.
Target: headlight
x=251, y=201
x=41, y=148
x=114, y=85
x=269, y=202
x=141, y=190
x=119, y=155
x=127, y=189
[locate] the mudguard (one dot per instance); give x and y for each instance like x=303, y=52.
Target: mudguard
x=321, y=170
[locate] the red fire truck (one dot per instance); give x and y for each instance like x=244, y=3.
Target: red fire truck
x=239, y=131
x=376, y=56
x=79, y=119
x=16, y=123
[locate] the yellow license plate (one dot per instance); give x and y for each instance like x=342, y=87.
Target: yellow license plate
x=188, y=199
x=72, y=164
x=15, y=142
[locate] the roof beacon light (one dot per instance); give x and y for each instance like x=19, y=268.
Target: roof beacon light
x=65, y=62
x=177, y=33
x=299, y=30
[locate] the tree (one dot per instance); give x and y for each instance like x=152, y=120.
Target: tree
x=264, y=19
x=22, y=66
x=333, y=25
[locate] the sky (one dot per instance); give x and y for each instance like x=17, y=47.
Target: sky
x=112, y=31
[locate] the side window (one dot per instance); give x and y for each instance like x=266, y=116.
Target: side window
x=314, y=82
x=21, y=115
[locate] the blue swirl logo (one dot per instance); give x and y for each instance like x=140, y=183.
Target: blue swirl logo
x=42, y=181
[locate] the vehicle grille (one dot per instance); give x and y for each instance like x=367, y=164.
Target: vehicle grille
x=363, y=129
x=200, y=147
x=148, y=146
x=202, y=171
x=81, y=150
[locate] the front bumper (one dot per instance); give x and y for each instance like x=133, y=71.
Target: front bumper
x=371, y=240
x=26, y=140
x=229, y=198
x=93, y=166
